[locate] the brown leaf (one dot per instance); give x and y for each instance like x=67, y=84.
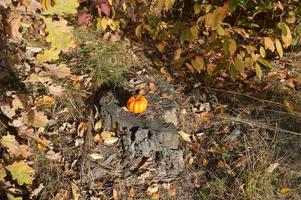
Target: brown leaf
x=14, y=148
x=13, y=27
x=56, y=90
x=35, y=118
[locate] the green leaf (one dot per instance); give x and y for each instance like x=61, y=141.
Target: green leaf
x=59, y=34
x=232, y=47
x=239, y=64
x=264, y=62
x=286, y=34
x=262, y=51
x=21, y=172
x=186, y=35
x=11, y=197
x=233, y=72
x=62, y=7
x=258, y=71
x=233, y=5
x=279, y=48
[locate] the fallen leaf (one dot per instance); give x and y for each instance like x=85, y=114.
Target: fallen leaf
x=272, y=167
x=61, y=71
x=2, y=172
x=21, y=172
x=44, y=100
x=36, y=191
x=56, y=90
x=152, y=189
x=96, y=156
x=62, y=7
x=285, y=191
x=14, y=148
x=98, y=126
x=186, y=137
x=35, y=118
x=13, y=26
x=81, y=129
x=48, y=55
x=51, y=155
x=75, y=191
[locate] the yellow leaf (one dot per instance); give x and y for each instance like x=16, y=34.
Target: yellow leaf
x=75, y=191
x=285, y=191
x=59, y=34
x=114, y=25
x=61, y=7
x=198, y=63
x=279, y=48
x=48, y=56
x=269, y=44
x=186, y=137
x=138, y=31
x=197, y=8
x=21, y=172
x=195, y=32
x=102, y=24
x=161, y=46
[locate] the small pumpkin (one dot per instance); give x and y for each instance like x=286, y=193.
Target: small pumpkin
x=137, y=105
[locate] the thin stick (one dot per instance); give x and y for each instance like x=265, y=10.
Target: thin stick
x=252, y=123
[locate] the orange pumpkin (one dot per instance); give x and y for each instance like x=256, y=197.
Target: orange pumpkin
x=137, y=105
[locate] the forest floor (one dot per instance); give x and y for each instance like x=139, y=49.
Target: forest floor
x=234, y=140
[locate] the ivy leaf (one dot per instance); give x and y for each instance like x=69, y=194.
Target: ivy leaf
x=21, y=172
x=59, y=34
x=14, y=148
x=62, y=7
x=48, y=56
